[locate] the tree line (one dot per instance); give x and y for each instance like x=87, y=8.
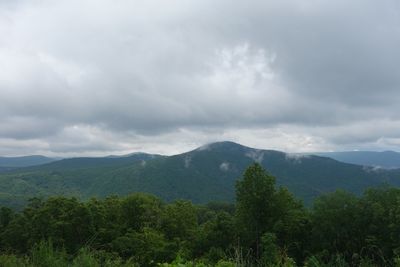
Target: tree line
x=267, y=226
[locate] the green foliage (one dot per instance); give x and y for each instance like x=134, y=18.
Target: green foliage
x=255, y=201
x=270, y=251
x=85, y=259
x=358, y=228
x=218, y=233
x=267, y=227
x=223, y=263
x=13, y=261
x=179, y=220
x=147, y=247
x=107, y=220
x=335, y=261
x=141, y=210
x=335, y=220
x=66, y=221
x=262, y=208
x=6, y=215
x=43, y=254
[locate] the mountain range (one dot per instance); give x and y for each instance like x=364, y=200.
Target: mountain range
x=13, y=162
x=385, y=159
x=205, y=174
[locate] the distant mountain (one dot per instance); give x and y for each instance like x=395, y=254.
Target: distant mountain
x=386, y=159
x=6, y=169
x=24, y=161
x=206, y=174
x=96, y=163
x=131, y=154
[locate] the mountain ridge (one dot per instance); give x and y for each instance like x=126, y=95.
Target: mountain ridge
x=383, y=159
x=24, y=161
x=208, y=173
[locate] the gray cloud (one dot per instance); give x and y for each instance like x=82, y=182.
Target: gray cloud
x=95, y=77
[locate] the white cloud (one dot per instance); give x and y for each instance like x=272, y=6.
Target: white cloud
x=296, y=158
x=224, y=166
x=256, y=155
x=187, y=160
x=99, y=77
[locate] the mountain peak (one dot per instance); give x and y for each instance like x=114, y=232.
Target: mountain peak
x=133, y=154
x=222, y=145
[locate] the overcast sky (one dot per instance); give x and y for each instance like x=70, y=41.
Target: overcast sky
x=98, y=77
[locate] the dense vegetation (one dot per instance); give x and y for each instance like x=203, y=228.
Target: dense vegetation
x=266, y=227
x=205, y=174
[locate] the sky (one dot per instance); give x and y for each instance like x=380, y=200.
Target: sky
x=99, y=77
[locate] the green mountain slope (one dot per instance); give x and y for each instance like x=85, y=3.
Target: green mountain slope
x=6, y=169
x=24, y=161
x=202, y=175
x=385, y=159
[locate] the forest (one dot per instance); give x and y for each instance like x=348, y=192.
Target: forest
x=266, y=226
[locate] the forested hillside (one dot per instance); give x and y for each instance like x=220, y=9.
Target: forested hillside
x=206, y=174
x=266, y=226
x=385, y=159
x=24, y=161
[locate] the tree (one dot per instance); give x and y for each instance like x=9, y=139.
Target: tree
x=147, y=247
x=66, y=221
x=179, y=220
x=6, y=215
x=107, y=219
x=218, y=232
x=255, y=204
x=380, y=218
x=336, y=224
x=141, y=210
x=261, y=208
x=179, y=225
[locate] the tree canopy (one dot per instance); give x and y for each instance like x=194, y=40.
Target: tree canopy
x=267, y=226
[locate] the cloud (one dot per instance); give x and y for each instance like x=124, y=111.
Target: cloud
x=256, y=155
x=95, y=77
x=187, y=160
x=224, y=166
x=296, y=158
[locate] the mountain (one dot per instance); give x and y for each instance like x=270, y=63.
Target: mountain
x=130, y=155
x=386, y=159
x=6, y=169
x=68, y=177
x=24, y=161
x=205, y=174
